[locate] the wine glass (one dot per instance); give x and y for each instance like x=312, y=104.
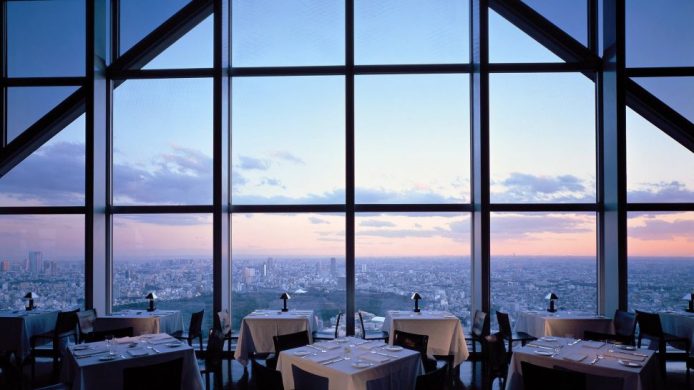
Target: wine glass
x=109, y=344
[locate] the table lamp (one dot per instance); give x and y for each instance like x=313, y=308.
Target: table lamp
x=416, y=297
x=552, y=297
x=30, y=296
x=284, y=297
x=151, y=297
x=690, y=297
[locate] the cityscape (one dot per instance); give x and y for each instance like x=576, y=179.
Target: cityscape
x=382, y=283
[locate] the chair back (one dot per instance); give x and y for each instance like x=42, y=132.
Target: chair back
x=116, y=333
x=337, y=323
x=543, y=378
x=224, y=319
x=649, y=324
x=195, y=328
x=504, y=325
x=494, y=351
x=432, y=380
x=215, y=348
x=85, y=321
x=66, y=322
x=480, y=324
x=413, y=341
x=266, y=378
x=159, y=376
x=624, y=323
x=304, y=380
x=361, y=325
x=289, y=341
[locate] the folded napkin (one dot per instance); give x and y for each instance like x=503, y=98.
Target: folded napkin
x=328, y=345
x=88, y=352
x=545, y=344
x=163, y=341
x=593, y=344
x=138, y=352
x=322, y=358
x=374, y=357
x=574, y=357
x=626, y=356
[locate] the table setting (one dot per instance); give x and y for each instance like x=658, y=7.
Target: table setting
x=142, y=321
x=561, y=323
x=20, y=325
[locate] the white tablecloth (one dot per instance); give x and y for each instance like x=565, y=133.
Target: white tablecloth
x=398, y=371
x=142, y=321
x=17, y=327
x=642, y=378
x=86, y=373
x=561, y=324
x=679, y=324
x=444, y=330
x=258, y=328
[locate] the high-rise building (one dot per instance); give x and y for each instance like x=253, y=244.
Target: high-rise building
x=5, y=266
x=35, y=262
x=333, y=267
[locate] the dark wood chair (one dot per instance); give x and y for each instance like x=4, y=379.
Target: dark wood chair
x=377, y=335
x=415, y=342
x=625, y=328
x=304, y=380
x=65, y=329
x=495, y=363
x=159, y=376
x=223, y=324
x=194, y=329
x=85, y=323
x=289, y=341
x=650, y=328
x=509, y=335
x=266, y=378
x=435, y=379
x=480, y=329
x=326, y=334
x=212, y=364
x=101, y=335
x=543, y=378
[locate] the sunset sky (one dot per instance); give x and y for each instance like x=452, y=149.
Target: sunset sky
x=411, y=139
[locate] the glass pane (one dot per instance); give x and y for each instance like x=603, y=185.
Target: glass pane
x=659, y=169
x=399, y=253
x=661, y=265
x=193, y=50
x=51, y=176
x=570, y=16
x=170, y=255
x=302, y=254
x=26, y=105
x=138, y=18
x=411, y=31
x=286, y=130
x=42, y=254
x=534, y=254
x=509, y=44
x=287, y=33
x=676, y=92
x=659, y=34
x=162, y=140
x=407, y=127
x=542, y=135
x=45, y=38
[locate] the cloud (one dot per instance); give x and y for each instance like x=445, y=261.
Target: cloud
x=287, y=156
x=658, y=229
x=251, y=163
x=673, y=191
x=456, y=230
x=376, y=223
x=272, y=182
x=520, y=226
x=523, y=187
x=317, y=221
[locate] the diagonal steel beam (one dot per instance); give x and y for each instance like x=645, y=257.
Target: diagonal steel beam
x=568, y=49
x=72, y=107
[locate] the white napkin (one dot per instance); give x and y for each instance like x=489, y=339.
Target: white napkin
x=575, y=357
x=592, y=344
x=321, y=358
x=327, y=345
x=137, y=352
x=374, y=357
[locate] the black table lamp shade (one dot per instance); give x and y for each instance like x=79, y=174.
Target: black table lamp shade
x=151, y=297
x=551, y=297
x=285, y=297
x=416, y=297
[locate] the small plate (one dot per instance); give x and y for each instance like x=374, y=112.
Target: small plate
x=301, y=352
x=361, y=364
x=173, y=345
x=543, y=353
x=106, y=358
x=393, y=348
x=628, y=363
x=627, y=347
x=546, y=338
x=80, y=347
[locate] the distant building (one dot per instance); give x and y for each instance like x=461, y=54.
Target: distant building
x=35, y=263
x=5, y=267
x=333, y=267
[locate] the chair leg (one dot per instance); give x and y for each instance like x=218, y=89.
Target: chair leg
x=207, y=380
x=200, y=338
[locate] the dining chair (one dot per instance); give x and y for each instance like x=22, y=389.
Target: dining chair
x=266, y=378
x=542, y=378
x=625, y=327
x=495, y=364
x=328, y=335
x=690, y=366
x=158, y=376
x=435, y=379
x=289, y=341
x=85, y=323
x=371, y=335
x=212, y=364
x=415, y=342
x=64, y=329
x=651, y=328
x=100, y=335
x=224, y=326
x=304, y=380
x=480, y=328
x=509, y=335
x=194, y=329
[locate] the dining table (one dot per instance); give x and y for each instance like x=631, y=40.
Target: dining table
x=142, y=321
x=679, y=323
x=259, y=327
x=637, y=368
x=561, y=323
x=98, y=366
x=446, y=335
x=354, y=364
x=18, y=326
